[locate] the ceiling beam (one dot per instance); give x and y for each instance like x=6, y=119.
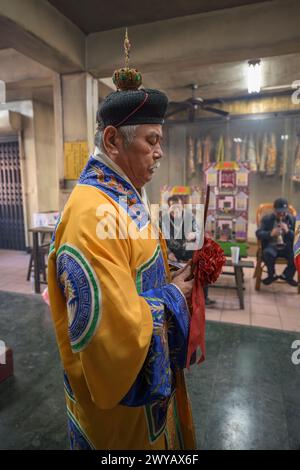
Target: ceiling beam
x=237, y=34
x=16, y=66
x=35, y=28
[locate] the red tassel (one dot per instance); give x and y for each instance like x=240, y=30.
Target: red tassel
x=208, y=263
x=197, y=326
x=297, y=263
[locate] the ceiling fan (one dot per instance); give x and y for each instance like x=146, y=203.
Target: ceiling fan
x=192, y=104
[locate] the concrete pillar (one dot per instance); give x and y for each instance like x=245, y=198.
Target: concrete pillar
x=47, y=184
x=75, y=107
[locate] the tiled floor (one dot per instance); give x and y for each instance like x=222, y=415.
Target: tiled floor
x=276, y=306
x=13, y=272
x=245, y=395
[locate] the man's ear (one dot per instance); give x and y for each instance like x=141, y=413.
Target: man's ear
x=110, y=140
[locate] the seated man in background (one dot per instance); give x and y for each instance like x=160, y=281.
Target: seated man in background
x=177, y=238
x=276, y=233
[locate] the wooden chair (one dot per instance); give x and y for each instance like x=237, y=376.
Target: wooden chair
x=43, y=252
x=262, y=210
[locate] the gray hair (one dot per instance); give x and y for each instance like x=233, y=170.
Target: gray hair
x=127, y=132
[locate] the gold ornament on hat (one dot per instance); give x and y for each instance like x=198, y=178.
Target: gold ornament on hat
x=127, y=78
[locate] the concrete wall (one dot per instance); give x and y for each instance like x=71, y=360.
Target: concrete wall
x=74, y=107
x=47, y=182
x=76, y=103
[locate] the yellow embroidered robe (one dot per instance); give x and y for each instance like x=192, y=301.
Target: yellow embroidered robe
x=121, y=327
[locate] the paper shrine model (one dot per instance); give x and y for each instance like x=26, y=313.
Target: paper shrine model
x=227, y=218
x=192, y=199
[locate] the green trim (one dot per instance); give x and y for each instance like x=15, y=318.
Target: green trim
x=77, y=255
x=177, y=424
x=51, y=248
x=68, y=394
x=144, y=267
x=72, y=418
x=149, y=419
x=153, y=299
x=52, y=244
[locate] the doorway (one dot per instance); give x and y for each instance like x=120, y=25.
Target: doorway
x=12, y=230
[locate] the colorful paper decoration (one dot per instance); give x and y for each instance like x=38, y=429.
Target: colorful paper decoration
x=251, y=154
x=243, y=149
x=207, y=151
x=271, y=156
x=212, y=176
x=220, y=153
x=229, y=201
x=227, y=178
x=212, y=201
x=191, y=170
x=189, y=194
x=75, y=157
x=241, y=201
x=241, y=228
x=226, y=204
x=242, y=177
x=296, y=172
x=199, y=154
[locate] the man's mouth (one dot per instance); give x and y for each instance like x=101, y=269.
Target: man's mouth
x=153, y=167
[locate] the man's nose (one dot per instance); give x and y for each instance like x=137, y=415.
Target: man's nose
x=158, y=153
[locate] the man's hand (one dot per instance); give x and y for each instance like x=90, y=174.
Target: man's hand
x=180, y=280
x=172, y=257
x=179, y=271
x=284, y=227
x=276, y=232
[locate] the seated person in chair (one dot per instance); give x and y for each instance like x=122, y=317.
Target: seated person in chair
x=276, y=233
x=173, y=227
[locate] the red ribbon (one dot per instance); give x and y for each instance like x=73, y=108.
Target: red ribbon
x=297, y=263
x=208, y=263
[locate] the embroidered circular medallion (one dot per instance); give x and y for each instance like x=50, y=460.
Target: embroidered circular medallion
x=82, y=292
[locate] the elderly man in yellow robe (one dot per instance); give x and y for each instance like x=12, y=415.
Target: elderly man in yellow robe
x=121, y=321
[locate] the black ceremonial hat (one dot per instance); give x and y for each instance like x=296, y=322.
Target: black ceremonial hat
x=130, y=105
x=123, y=108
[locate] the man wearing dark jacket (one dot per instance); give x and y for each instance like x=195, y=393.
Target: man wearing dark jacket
x=180, y=228
x=276, y=233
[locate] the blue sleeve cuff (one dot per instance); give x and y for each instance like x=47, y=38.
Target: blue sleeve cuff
x=178, y=319
x=168, y=347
